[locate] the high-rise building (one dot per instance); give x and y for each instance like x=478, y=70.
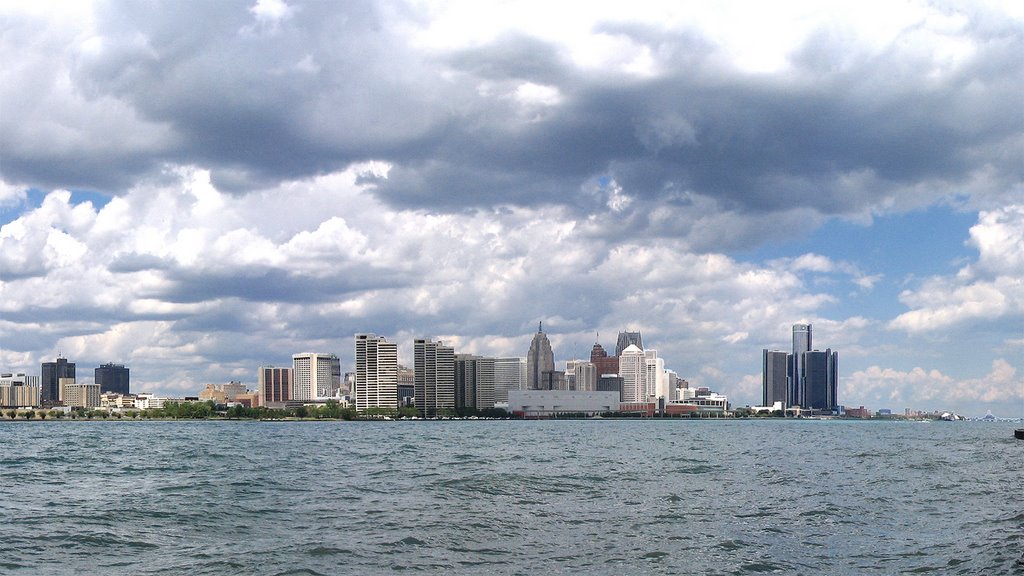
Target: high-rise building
x=821, y=371
x=274, y=385
x=406, y=386
x=774, y=377
x=112, y=377
x=585, y=376
x=434, y=366
x=80, y=395
x=509, y=374
x=376, y=383
x=474, y=381
x=627, y=339
x=540, y=359
x=313, y=375
x=801, y=344
x=52, y=372
x=633, y=370
x=656, y=385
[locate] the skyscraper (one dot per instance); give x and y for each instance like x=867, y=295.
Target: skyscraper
x=52, y=372
x=585, y=376
x=313, y=375
x=820, y=371
x=112, y=378
x=774, y=377
x=434, y=380
x=801, y=344
x=509, y=374
x=376, y=382
x=626, y=339
x=474, y=382
x=539, y=360
x=633, y=370
x=274, y=385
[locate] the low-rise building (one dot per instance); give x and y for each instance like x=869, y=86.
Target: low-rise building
x=81, y=395
x=549, y=403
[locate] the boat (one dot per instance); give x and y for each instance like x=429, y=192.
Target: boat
x=1019, y=433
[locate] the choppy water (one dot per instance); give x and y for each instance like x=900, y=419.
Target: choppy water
x=590, y=497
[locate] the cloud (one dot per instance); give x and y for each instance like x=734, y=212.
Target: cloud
x=992, y=288
x=886, y=387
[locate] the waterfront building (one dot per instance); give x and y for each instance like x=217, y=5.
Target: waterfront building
x=434, y=379
x=707, y=403
x=80, y=395
x=313, y=375
x=633, y=370
x=509, y=374
x=820, y=370
x=376, y=381
x=774, y=377
x=627, y=339
x=19, y=391
x=115, y=401
x=801, y=344
x=112, y=377
x=610, y=383
x=540, y=359
x=52, y=372
x=474, y=382
x=549, y=403
x=273, y=385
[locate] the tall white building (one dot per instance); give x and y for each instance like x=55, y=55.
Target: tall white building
x=509, y=374
x=313, y=375
x=584, y=375
x=656, y=379
x=633, y=370
x=434, y=378
x=376, y=378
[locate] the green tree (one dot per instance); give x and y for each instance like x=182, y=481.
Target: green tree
x=12, y=414
x=29, y=414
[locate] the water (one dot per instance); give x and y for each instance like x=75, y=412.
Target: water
x=563, y=497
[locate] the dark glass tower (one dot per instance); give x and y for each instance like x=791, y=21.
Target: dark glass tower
x=626, y=339
x=49, y=383
x=820, y=371
x=112, y=378
x=801, y=343
x=774, y=377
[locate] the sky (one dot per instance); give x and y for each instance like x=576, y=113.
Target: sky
x=195, y=189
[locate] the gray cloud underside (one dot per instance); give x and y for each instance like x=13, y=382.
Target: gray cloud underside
x=842, y=131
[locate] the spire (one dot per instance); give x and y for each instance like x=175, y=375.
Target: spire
x=540, y=326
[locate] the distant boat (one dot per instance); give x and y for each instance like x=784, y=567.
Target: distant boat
x=1019, y=433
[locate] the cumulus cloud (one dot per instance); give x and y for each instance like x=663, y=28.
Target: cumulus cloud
x=992, y=288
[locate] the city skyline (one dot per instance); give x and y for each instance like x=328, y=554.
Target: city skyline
x=198, y=201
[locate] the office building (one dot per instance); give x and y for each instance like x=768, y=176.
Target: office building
x=604, y=363
x=376, y=382
x=112, y=377
x=406, y=387
x=274, y=385
x=474, y=382
x=509, y=374
x=434, y=379
x=627, y=339
x=801, y=344
x=820, y=370
x=774, y=377
x=656, y=385
x=19, y=391
x=314, y=375
x=539, y=360
x=633, y=370
x=585, y=376
x=52, y=372
x=80, y=395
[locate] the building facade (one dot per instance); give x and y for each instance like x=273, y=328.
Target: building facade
x=774, y=377
x=539, y=360
x=820, y=371
x=509, y=374
x=19, y=391
x=434, y=367
x=633, y=370
x=52, y=372
x=313, y=375
x=474, y=382
x=801, y=344
x=376, y=376
x=274, y=385
x=112, y=377
x=81, y=395
x=627, y=339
